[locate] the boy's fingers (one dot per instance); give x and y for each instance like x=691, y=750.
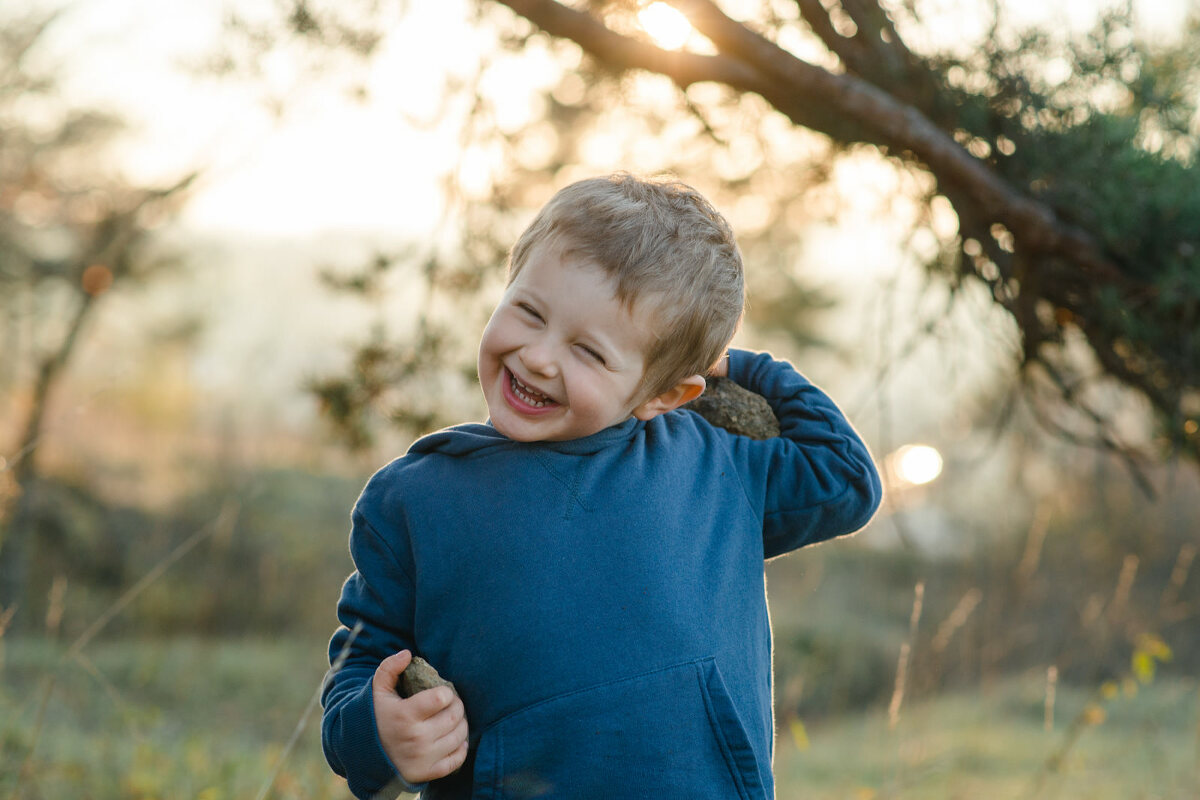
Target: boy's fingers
x=447, y=720
x=453, y=739
x=428, y=703
x=445, y=766
x=388, y=671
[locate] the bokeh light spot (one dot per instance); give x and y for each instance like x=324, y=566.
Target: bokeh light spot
x=917, y=464
x=668, y=28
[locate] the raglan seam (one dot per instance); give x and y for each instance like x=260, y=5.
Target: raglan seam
x=386, y=544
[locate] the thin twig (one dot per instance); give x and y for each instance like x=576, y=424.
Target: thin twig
x=698, y=113
x=1120, y=598
x=1051, y=693
x=958, y=617
x=39, y=721
x=1179, y=573
x=114, y=695
x=906, y=656
x=1086, y=717
x=1034, y=543
x=308, y=710
x=6, y=617
x=221, y=523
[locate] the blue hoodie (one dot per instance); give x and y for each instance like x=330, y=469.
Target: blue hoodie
x=599, y=604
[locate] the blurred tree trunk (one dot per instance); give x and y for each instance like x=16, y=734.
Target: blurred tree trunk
x=17, y=541
x=68, y=230
x=113, y=255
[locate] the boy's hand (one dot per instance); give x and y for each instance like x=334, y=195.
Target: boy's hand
x=425, y=735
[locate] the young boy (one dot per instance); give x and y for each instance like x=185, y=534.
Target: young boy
x=587, y=566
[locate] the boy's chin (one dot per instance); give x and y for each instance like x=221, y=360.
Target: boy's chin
x=522, y=430
x=506, y=422
x=514, y=432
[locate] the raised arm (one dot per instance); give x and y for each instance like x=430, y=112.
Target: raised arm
x=816, y=480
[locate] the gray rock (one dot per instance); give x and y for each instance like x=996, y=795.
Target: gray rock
x=418, y=677
x=737, y=410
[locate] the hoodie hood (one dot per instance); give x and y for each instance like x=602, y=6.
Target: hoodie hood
x=473, y=438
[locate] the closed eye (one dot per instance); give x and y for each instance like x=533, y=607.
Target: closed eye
x=599, y=359
x=530, y=310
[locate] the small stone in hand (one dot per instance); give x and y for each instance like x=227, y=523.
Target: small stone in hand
x=419, y=676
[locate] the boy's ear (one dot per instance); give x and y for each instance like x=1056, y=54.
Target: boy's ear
x=685, y=391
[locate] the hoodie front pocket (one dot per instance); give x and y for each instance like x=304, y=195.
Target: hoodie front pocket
x=669, y=733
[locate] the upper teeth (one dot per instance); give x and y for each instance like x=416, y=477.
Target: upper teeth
x=530, y=396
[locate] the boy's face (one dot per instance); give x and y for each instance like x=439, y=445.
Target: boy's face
x=561, y=357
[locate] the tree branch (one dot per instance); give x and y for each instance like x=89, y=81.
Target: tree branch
x=1035, y=225
x=1055, y=259
x=799, y=103
x=844, y=107
x=848, y=49
x=622, y=52
x=876, y=31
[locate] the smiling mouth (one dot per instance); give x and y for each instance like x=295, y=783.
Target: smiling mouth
x=527, y=394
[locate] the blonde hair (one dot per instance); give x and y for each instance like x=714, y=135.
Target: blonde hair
x=656, y=239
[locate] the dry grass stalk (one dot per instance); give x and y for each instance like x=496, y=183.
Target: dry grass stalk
x=1051, y=692
x=898, y=689
x=1120, y=599
x=958, y=617
x=1033, y=544
x=1090, y=715
x=1179, y=575
x=223, y=521
x=905, y=657
x=6, y=617
x=56, y=606
x=1197, y=765
x=269, y=783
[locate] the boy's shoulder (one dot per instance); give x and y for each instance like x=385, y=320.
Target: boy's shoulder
x=425, y=454
x=686, y=433
x=458, y=440
x=426, y=477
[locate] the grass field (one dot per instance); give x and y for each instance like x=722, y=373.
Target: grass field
x=995, y=745
x=213, y=719
x=162, y=719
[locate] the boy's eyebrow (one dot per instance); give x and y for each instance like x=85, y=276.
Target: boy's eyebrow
x=523, y=293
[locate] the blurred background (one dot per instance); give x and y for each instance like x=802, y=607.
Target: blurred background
x=247, y=248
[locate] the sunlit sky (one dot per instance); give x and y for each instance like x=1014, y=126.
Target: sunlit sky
x=333, y=163
x=330, y=163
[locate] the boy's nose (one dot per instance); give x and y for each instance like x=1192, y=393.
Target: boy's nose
x=539, y=358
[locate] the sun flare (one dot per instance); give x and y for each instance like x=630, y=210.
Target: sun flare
x=917, y=464
x=667, y=27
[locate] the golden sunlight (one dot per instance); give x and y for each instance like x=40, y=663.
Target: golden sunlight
x=916, y=464
x=668, y=28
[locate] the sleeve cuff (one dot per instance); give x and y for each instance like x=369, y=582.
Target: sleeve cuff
x=368, y=768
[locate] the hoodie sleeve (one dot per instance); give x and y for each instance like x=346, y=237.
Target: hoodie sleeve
x=376, y=612
x=816, y=480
